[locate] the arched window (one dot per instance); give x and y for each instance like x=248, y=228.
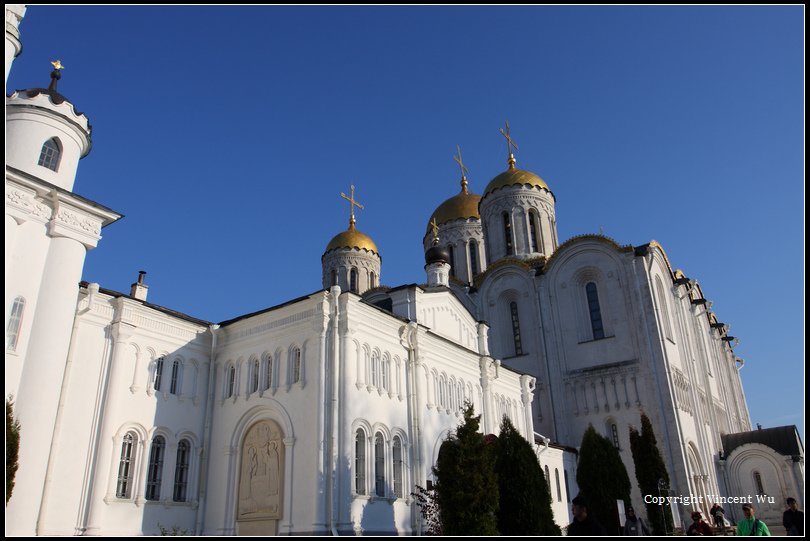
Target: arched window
x=548, y=479
x=14, y=324
x=155, y=472
x=181, y=471
x=254, y=377
x=507, y=231
x=126, y=464
x=473, y=259
x=452, y=258
x=372, y=279
x=595, y=312
x=175, y=383
x=384, y=369
x=50, y=154
x=268, y=372
x=360, y=462
x=158, y=373
x=614, y=432
x=353, y=281
x=375, y=369
x=296, y=365
x=398, y=465
x=533, y=231
x=379, y=465
x=513, y=309
x=231, y=382
x=557, y=480
x=758, y=483
x=333, y=280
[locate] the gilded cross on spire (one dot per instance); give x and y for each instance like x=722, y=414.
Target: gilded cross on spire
x=509, y=144
x=463, y=170
x=435, y=228
x=352, y=204
x=55, y=74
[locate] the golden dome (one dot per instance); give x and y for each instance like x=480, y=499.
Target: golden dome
x=352, y=238
x=459, y=207
x=512, y=177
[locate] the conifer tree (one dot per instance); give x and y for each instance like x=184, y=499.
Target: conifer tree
x=466, y=485
x=525, y=501
x=602, y=479
x=12, y=448
x=650, y=469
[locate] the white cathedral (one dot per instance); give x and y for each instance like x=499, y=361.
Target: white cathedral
x=322, y=414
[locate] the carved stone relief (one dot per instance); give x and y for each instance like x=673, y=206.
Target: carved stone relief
x=261, y=478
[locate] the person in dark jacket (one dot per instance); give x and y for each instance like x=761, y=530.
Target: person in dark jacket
x=699, y=526
x=584, y=524
x=634, y=525
x=793, y=519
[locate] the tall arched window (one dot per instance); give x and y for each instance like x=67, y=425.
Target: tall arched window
x=50, y=154
x=231, y=382
x=533, y=232
x=181, y=471
x=375, y=369
x=14, y=324
x=595, y=312
x=333, y=280
x=254, y=377
x=360, y=462
x=548, y=479
x=155, y=472
x=758, y=483
x=473, y=259
x=513, y=310
x=268, y=372
x=379, y=465
x=384, y=369
x=557, y=480
x=507, y=231
x=126, y=464
x=353, y=281
x=372, y=279
x=296, y=365
x=614, y=432
x=452, y=258
x=174, y=387
x=158, y=373
x=398, y=465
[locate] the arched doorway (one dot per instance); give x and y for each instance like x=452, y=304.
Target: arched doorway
x=261, y=480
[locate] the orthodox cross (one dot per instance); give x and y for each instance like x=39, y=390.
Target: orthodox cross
x=352, y=204
x=55, y=75
x=509, y=144
x=435, y=228
x=463, y=169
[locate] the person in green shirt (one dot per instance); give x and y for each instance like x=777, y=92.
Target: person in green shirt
x=751, y=525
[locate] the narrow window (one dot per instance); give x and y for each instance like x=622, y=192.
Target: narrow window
x=175, y=383
x=372, y=280
x=14, y=324
x=397, y=462
x=615, y=433
x=375, y=369
x=360, y=462
x=758, y=483
x=533, y=231
x=296, y=365
x=596, y=314
x=379, y=465
x=231, y=381
x=125, y=466
x=384, y=373
x=557, y=480
x=155, y=471
x=353, y=281
x=452, y=260
x=268, y=373
x=473, y=259
x=158, y=373
x=548, y=479
x=507, y=231
x=567, y=490
x=334, y=278
x=181, y=471
x=254, y=377
x=513, y=308
x=50, y=154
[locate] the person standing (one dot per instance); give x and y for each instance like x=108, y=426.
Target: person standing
x=793, y=519
x=718, y=516
x=583, y=524
x=699, y=526
x=751, y=525
x=634, y=525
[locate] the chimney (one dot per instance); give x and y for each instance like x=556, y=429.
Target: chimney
x=139, y=289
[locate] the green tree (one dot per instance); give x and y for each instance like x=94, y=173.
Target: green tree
x=650, y=469
x=12, y=447
x=602, y=479
x=525, y=501
x=466, y=485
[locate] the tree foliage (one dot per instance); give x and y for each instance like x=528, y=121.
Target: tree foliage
x=466, y=484
x=602, y=479
x=525, y=501
x=12, y=447
x=650, y=469
x=429, y=509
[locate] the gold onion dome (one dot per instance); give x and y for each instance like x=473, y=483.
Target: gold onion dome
x=352, y=238
x=459, y=207
x=514, y=177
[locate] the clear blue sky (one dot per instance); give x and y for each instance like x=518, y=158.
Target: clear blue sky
x=226, y=134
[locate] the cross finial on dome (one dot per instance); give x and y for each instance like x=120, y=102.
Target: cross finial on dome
x=463, y=170
x=352, y=204
x=509, y=144
x=435, y=228
x=55, y=74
